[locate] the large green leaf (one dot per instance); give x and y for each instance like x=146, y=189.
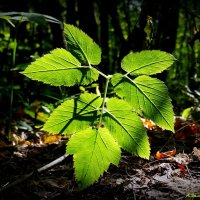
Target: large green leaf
x=82, y=46
x=147, y=62
x=60, y=67
x=147, y=95
x=94, y=150
x=74, y=115
x=126, y=127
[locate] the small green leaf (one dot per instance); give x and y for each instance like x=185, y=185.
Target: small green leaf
x=126, y=127
x=147, y=62
x=74, y=115
x=60, y=67
x=147, y=95
x=82, y=46
x=187, y=112
x=94, y=150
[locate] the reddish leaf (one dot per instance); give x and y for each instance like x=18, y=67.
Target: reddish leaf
x=182, y=168
x=165, y=154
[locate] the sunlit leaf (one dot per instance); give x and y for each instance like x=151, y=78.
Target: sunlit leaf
x=94, y=150
x=82, y=46
x=74, y=115
x=60, y=67
x=187, y=112
x=126, y=127
x=148, y=96
x=147, y=62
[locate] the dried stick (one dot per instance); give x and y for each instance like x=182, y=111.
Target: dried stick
x=46, y=167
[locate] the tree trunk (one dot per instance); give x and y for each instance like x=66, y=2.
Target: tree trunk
x=86, y=17
x=164, y=15
x=54, y=9
x=104, y=35
x=71, y=16
x=167, y=25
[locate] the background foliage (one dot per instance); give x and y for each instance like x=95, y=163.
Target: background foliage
x=117, y=26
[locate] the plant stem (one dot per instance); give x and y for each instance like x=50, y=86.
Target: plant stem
x=104, y=99
x=11, y=89
x=102, y=74
x=14, y=50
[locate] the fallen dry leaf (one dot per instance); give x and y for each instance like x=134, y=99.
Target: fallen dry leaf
x=196, y=153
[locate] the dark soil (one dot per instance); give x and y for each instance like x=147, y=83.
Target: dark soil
x=135, y=178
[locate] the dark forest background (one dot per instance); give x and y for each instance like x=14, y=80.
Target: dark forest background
x=118, y=26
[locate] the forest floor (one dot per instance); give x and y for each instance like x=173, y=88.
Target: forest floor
x=172, y=172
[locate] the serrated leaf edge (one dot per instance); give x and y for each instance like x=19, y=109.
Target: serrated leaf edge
x=135, y=84
x=66, y=26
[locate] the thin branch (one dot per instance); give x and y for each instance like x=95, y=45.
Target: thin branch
x=25, y=177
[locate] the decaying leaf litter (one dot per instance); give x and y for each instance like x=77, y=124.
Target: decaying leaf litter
x=175, y=176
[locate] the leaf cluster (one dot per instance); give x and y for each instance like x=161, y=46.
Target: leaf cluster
x=100, y=126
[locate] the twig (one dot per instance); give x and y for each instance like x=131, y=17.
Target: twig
x=51, y=164
x=25, y=177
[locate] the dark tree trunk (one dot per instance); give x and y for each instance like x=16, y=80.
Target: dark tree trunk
x=71, y=16
x=167, y=25
x=167, y=28
x=104, y=35
x=86, y=17
x=120, y=45
x=54, y=9
x=137, y=37
x=164, y=15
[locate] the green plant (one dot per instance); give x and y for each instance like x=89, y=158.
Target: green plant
x=101, y=126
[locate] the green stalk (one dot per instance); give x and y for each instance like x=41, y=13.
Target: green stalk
x=11, y=89
x=102, y=74
x=14, y=51
x=104, y=99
